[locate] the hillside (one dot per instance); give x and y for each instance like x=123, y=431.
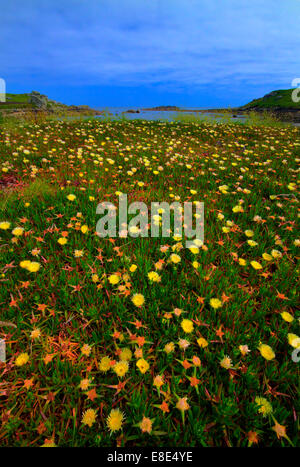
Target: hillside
x=20, y=103
x=16, y=101
x=275, y=100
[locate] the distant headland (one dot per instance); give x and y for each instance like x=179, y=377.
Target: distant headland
x=279, y=103
x=18, y=105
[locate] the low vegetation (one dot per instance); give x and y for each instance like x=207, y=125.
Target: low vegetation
x=141, y=341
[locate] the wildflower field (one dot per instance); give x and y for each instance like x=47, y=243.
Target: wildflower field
x=141, y=341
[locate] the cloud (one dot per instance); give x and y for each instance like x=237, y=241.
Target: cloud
x=179, y=43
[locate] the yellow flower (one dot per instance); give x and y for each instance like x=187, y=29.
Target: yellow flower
x=138, y=299
x=146, y=425
x=105, y=364
x=134, y=229
x=249, y=233
x=292, y=186
x=114, y=420
x=158, y=381
x=4, y=225
x=35, y=334
x=276, y=254
x=89, y=417
x=242, y=262
x=35, y=252
x=84, y=384
x=142, y=365
x=126, y=355
x=24, y=264
x=114, y=279
x=95, y=278
x=121, y=368
x=18, y=231
x=223, y=189
x=22, y=359
x=237, y=208
x=154, y=277
x=226, y=362
x=256, y=265
x=195, y=264
x=187, y=325
x=175, y=258
x=265, y=408
x=252, y=243
x=71, y=197
x=86, y=349
x=78, y=253
x=202, y=342
x=294, y=340
x=266, y=352
x=215, y=303
x=84, y=229
x=133, y=268
x=49, y=443
x=267, y=257
x=287, y=316
x=170, y=347
x=33, y=266
x=62, y=240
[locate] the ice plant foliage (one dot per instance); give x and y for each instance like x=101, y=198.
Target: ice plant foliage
x=123, y=339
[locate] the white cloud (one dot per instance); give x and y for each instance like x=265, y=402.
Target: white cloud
x=185, y=42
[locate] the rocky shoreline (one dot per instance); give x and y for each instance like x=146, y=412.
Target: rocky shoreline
x=37, y=104
x=70, y=112
x=282, y=114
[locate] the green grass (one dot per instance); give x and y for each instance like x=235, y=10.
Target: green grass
x=70, y=301
x=281, y=99
x=37, y=190
x=18, y=97
x=16, y=101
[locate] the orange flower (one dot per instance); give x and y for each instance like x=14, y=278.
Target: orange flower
x=280, y=430
x=196, y=361
x=182, y=404
x=146, y=425
x=186, y=364
x=194, y=381
x=164, y=407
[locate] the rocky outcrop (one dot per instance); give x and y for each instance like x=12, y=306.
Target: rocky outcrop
x=39, y=101
x=165, y=107
x=131, y=111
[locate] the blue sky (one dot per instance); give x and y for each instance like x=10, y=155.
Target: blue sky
x=192, y=53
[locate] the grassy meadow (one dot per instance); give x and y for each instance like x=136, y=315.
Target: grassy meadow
x=141, y=341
